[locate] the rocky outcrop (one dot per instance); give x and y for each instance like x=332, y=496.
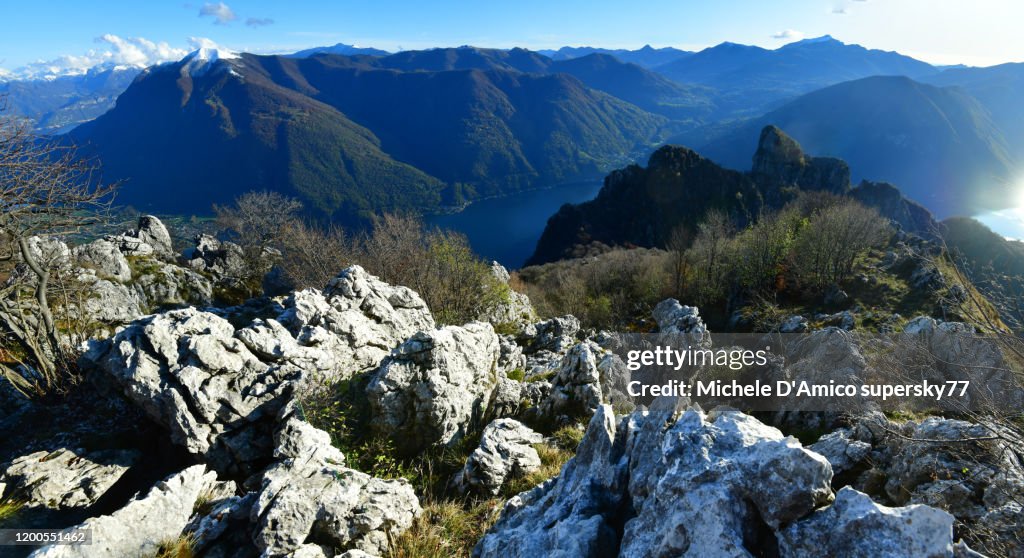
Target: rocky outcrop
x=309, y=496
x=545, y=343
x=126, y=275
x=358, y=319
x=190, y=373
x=65, y=478
x=662, y=483
x=890, y=203
x=640, y=206
x=830, y=354
x=217, y=389
x=675, y=318
x=576, y=389
x=974, y=477
x=695, y=484
x=780, y=161
x=221, y=260
x=141, y=526
x=793, y=324
x=841, y=449
x=952, y=465
x=104, y=257
x=856, y=526
x=513, y=309
x=149, y=238
x=506, y=451
x=435, y=387
x=164, y=284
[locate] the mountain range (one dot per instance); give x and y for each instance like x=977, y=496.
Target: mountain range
x=647, y=56
x=999, y=89
x=341, y=48
x=941, y=145
x=354, y=130
x=750, y=79
x=350, y=137
x=59, y=104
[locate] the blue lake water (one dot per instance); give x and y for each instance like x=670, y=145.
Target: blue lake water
x=507, y=229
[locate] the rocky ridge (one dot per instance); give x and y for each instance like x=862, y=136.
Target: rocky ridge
x=225, y=389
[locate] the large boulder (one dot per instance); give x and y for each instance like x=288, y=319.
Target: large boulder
x=153, y=232
x=104, y=257
x=661, y=483
x=435, y=387
x=675, y=318
x=513, y=309
x=700, y=485
x=506, y=451
x=159, y=283
x=573, y=514
x=544, y=343
x=189, y=371
x=309, y=496
x=111, y=303
x=149, y=238
x=697, y=485
x=576, y=389
x=141, y=526
x=222, y=260
x=357, y=318
x=48, y=251
x=65, y=478
x=856, y=526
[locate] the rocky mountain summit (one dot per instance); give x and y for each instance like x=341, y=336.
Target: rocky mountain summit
x=642, y=206
x=236, y=462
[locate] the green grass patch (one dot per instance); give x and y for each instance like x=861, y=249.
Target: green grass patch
x=9, y=508
x=451, y=524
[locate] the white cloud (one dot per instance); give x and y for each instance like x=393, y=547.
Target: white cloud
x=788, y=35
x=220, y=12
x=841, y=10
x=113, y=51
x=258, y=21
x=196, y=43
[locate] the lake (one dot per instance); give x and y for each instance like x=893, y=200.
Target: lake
x=506, y=229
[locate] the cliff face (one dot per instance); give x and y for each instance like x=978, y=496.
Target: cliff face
x=642, y=206
x=886, y=198
x=780, y=161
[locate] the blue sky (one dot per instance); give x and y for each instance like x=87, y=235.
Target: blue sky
x=980, y=32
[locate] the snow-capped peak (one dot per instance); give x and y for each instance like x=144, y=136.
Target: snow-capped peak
x=816, y=40
x=202, y=59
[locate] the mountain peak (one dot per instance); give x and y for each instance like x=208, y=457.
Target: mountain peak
x=775, y=148
x=816, y=41
x=199, y=61
x=780, y=158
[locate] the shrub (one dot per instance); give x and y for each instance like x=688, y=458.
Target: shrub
x=313, y=255
x=259, y=221
x=835, y=236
